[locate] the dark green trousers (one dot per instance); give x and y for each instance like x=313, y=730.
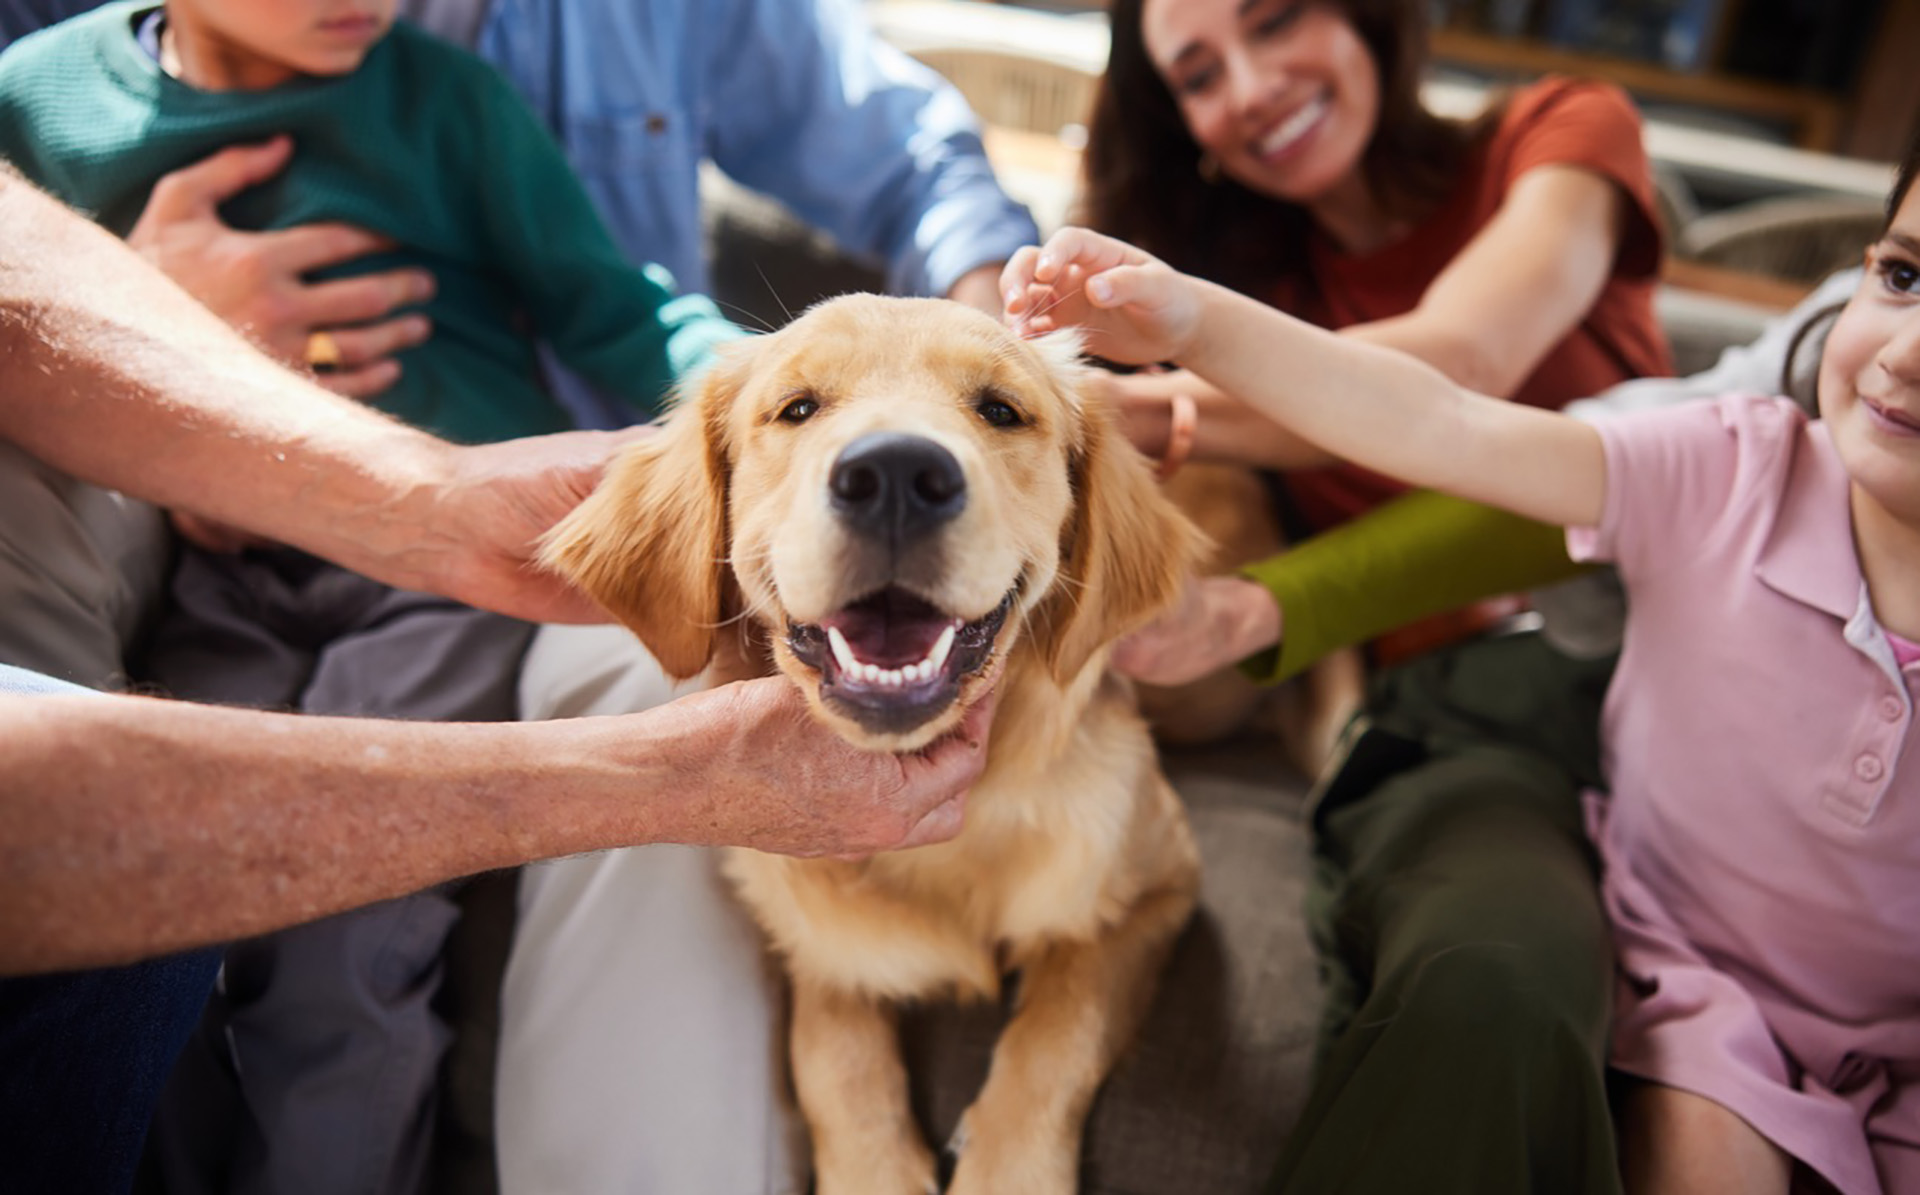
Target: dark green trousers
x=1462, y=938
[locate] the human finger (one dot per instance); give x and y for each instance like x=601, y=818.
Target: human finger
x=1144, y=655
x=215, y=179
x=1120, y=285
x=1083, y=248
x=978, y=720
x=363, y=345
x=944, y=821
x=1016, y=280
x=360, y=300
x=306, y=247
x=365, y=382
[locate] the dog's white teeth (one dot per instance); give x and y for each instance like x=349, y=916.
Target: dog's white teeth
x=842, y=653
x=937, y=658
x=855, y=669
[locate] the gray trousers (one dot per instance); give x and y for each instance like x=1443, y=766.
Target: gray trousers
x=315, y=1067
x=80, y=570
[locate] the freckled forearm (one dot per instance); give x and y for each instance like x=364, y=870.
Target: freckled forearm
x=134, y=827
x=124, y=380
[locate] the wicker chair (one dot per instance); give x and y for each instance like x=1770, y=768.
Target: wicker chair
x=1018, y=69
x=1018, y=90
x=1675, y=202
x=1800, y=238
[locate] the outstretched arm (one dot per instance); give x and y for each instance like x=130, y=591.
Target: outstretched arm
x=131, y=827
x=1374, y=406
x=1419, y=554
x=110, y=372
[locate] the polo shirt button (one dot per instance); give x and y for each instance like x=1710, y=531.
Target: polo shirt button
x=1868, y=768
x=1891, y=708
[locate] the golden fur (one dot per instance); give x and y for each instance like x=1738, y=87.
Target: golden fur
x=720, y=543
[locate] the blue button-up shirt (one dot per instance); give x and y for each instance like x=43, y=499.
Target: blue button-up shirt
x=798, y=99
x=794, y=98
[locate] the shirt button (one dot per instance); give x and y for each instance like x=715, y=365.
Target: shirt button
x=1891, y=708
x=1868, y=768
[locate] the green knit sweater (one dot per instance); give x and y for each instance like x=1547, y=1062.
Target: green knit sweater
x=425, y=144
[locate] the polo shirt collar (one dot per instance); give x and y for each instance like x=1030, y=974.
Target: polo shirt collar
x=1809, y=554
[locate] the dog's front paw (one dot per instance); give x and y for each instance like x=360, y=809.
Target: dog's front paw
x=1026, y=1158
x=907, y=1170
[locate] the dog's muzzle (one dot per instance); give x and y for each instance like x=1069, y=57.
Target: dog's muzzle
x=896, y=488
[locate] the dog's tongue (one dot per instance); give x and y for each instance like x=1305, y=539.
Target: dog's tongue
x=891, y=629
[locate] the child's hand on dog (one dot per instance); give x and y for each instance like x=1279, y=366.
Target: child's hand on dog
x=1136, y=309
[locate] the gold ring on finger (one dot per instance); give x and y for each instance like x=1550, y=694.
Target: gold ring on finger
x=323, y=351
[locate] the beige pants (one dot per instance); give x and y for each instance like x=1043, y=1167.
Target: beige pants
x=640, y=1043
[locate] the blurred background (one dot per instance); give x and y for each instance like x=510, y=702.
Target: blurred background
x=1773, y=124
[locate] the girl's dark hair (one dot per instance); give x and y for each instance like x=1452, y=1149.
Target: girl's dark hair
x=1903, y=180
x=1143, y=181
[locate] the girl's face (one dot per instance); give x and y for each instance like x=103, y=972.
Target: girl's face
x=1282, y=93
x=1870, y=371
x=255, y=44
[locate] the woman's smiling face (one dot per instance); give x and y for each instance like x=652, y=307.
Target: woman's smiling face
x=1282, y=93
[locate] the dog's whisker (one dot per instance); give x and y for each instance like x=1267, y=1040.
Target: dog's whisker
x=748, y=615
x=745, y=317
x=785, y=310
x=1061, y=298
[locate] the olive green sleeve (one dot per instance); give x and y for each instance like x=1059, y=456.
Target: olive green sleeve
x=1416, y=556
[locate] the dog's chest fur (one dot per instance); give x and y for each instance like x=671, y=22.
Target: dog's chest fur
x=1049, y=852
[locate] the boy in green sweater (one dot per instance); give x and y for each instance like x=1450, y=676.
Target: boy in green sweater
x=328, y=1029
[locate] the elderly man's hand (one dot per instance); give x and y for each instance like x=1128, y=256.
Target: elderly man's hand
x=471, y=529
x=256, y=281
x=776, y=780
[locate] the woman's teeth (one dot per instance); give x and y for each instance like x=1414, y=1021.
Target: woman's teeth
x=1294, y=127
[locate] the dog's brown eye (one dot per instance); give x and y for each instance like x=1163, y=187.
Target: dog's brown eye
x=997, y=413
x=798, y=410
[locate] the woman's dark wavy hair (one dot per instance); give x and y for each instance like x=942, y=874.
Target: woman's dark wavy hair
x=1143, y=180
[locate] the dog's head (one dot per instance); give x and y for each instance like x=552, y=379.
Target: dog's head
x=904, y=495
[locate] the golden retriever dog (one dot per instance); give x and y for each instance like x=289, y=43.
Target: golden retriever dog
x=899, y=505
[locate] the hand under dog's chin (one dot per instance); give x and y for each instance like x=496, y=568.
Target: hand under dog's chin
x=864, y=733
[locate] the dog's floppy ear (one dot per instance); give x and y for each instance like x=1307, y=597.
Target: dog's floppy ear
x=650, y=543
x=1125, y=553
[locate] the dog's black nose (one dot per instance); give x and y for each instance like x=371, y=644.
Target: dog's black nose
x=897, y=485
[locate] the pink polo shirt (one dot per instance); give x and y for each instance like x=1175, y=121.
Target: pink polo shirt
x=1762, y=841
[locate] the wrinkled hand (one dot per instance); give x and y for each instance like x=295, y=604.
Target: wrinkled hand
x=776, y=780
x=1135, y=308
x=471, y=519
x=1217, y=622
x=256, y=280
x=474, y=532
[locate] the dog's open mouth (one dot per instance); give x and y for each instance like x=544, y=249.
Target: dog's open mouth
x=893, y=660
